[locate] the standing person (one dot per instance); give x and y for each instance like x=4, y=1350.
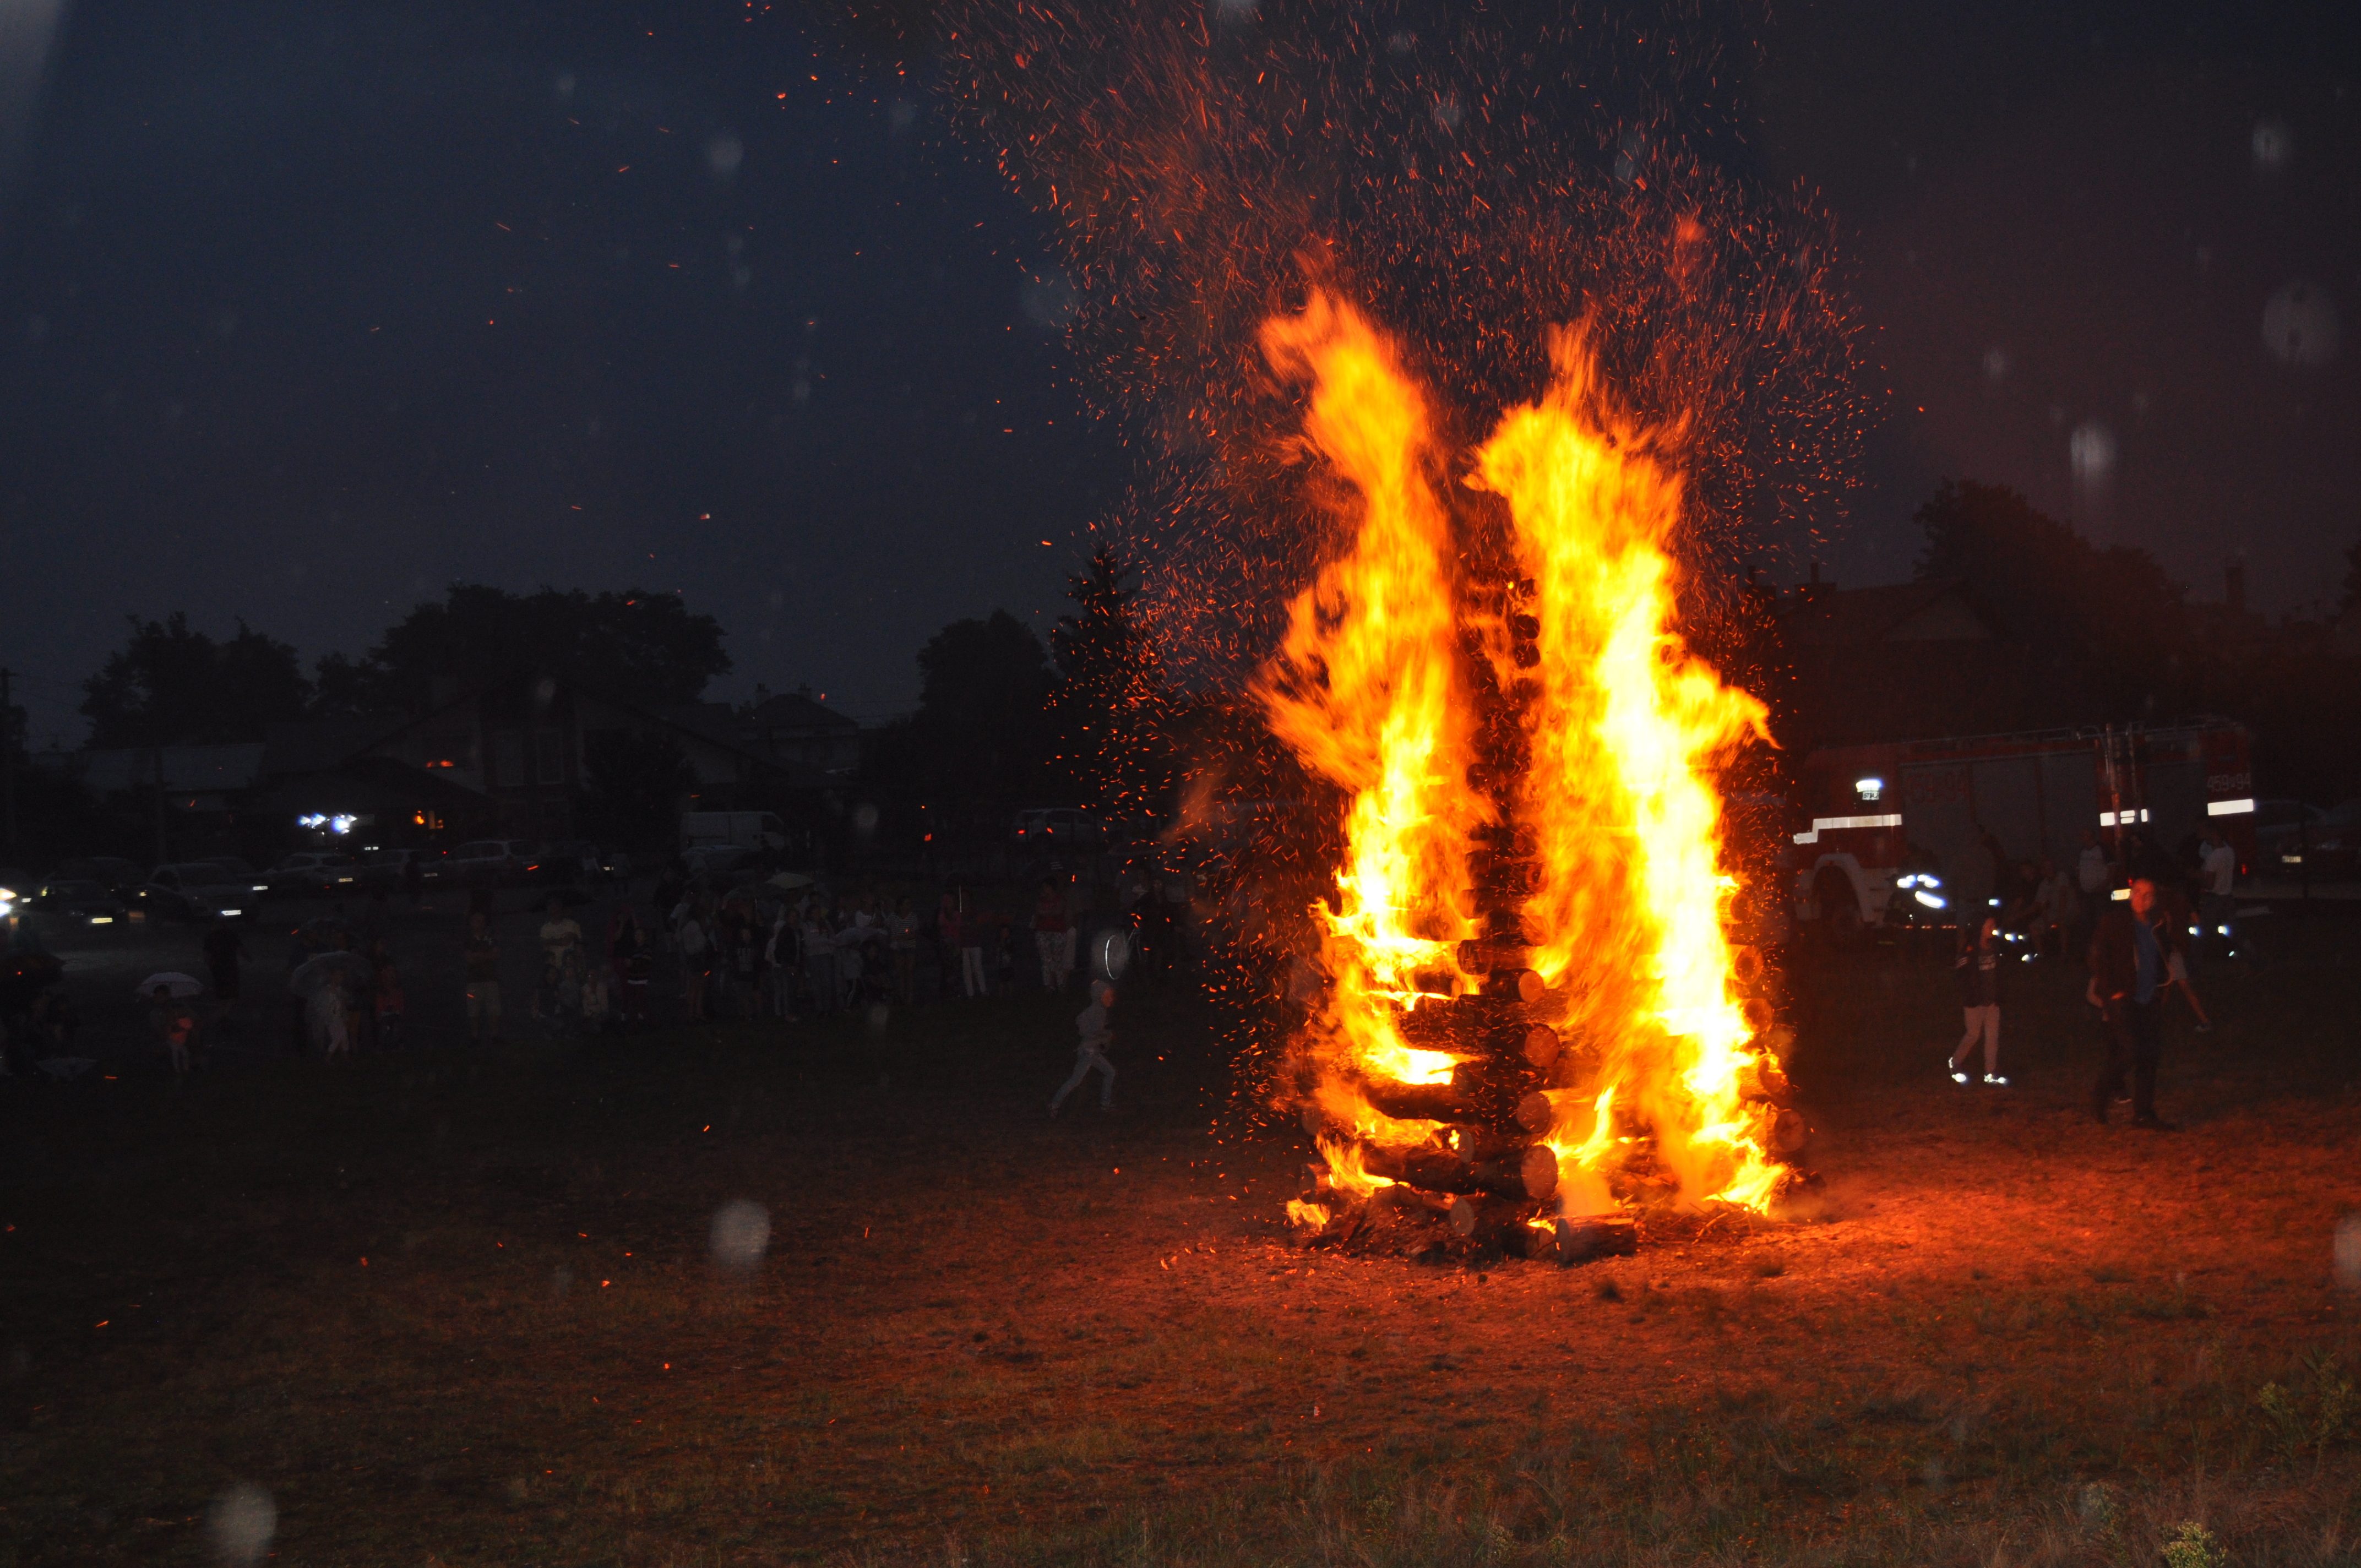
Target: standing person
x=386, y=988
x=561, y=938
x=223, y=951
x=745, y=964
x=303, y=946
x=2056, y=911
x=1146, y=920
x=966, y=937
x=1978, y=967
x=329, y=1022
x=670, y=890
x=2217, y=875
x=1091, y=1053
x=902, y=942
x=948, y=961
x=782, y=963
x=2094, y=878
x=2132, y=956
x=597, y=1006
x=627, y=952
x=482, y=961
x=1050, y=929
x=819, y=958
x=696, y=958
x=169, y=1018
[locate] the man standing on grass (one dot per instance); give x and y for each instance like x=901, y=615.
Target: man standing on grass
x=483, y=963
x=2132, y=961
x=2217, y=876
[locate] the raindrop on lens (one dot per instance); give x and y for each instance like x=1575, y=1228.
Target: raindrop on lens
x=2274, y=144
x=2299, y=325
x=2091, y=450
x=2348, y=1252
x=723, y=154
x=742, y=1234
x=1049, y=301
x=864, y=819
x=241, y=1522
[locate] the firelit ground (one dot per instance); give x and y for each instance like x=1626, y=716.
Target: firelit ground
x=461, y=1310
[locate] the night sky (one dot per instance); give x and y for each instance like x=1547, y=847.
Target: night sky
x=311, y=309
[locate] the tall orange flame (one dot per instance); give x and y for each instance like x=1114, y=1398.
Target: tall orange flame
x=1626, y=730
x=1368, y=689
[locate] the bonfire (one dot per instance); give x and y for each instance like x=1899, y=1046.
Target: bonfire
x=1534, y=1021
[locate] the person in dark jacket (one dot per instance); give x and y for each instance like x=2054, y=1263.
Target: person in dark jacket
x=2133, y=958
x=1979, y=970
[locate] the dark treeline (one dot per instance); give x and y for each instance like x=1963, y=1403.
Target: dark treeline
x=2090, y=634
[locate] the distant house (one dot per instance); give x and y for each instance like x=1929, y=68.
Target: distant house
x=1909, y=660
x=513, y=759
x=819, y=747
x=203, y=779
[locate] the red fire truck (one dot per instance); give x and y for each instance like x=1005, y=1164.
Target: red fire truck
x=1886, y=825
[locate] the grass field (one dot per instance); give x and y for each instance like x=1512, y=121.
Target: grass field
x=456, y=1310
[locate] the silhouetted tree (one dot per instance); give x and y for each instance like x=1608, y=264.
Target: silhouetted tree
x=170, y=686
x=639, y=646
x=632, y=787
x=1111, y=708
x=2108, y=614
x=981, y=730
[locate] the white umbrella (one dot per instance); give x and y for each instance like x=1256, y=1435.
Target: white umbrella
x=174, y=982
x=314, y=975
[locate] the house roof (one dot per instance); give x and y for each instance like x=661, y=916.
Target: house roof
x=793, y=710
x=316, y=745
x=1939, y=610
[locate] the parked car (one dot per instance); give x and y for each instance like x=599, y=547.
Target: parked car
x=110, y=872
x=80, y=903
x=1059, y=827
x=2329, y=845
x=194, y=889
x=313, y=872
x=495, y=862
x=390, y=868
x=2277, y=823
x=235, y=870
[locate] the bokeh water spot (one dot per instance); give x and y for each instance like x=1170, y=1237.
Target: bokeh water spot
x=241, y=1522
x=742, y=1234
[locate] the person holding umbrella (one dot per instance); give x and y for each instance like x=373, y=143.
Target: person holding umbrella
x=169, y=1015
x=324, y=984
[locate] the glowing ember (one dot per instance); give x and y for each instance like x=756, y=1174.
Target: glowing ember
x=1532, y=867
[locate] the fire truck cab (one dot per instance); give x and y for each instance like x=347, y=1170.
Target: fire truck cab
x=1891, y=830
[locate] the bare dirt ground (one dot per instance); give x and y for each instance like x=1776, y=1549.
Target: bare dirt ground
x=460, y=1310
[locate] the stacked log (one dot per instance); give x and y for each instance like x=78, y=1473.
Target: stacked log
x=1487, y=1182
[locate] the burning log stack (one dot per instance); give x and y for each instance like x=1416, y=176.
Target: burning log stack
x=1537, y=1024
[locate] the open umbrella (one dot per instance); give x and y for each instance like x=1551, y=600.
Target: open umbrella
x=791, y=881
x=314, y=975
x=172, y=981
